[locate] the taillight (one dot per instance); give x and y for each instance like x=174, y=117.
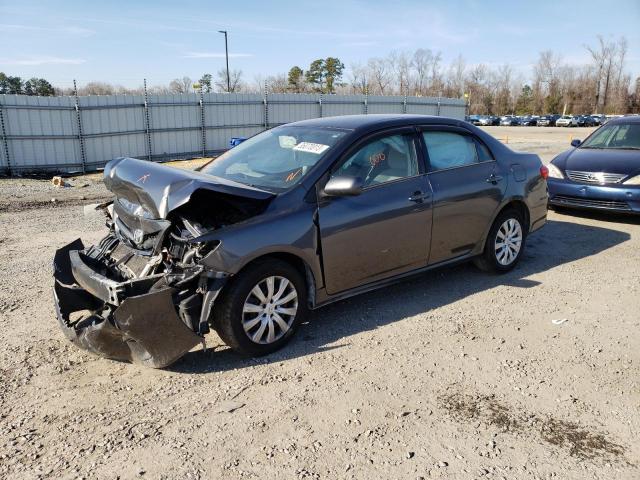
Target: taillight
x=544, y=171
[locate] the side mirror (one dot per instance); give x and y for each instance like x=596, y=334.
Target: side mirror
x=575, y=142
x=342, y=186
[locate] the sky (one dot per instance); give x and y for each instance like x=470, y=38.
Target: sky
x=123, y=42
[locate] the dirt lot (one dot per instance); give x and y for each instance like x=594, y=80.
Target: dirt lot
x=454, y=374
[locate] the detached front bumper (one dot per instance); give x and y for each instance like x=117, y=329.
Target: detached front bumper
x=618, y=198
x=134, y=321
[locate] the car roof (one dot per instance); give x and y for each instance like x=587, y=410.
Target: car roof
x=374, y=121
x=629, y=119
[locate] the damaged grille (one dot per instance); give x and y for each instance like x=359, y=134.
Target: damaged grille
x=134, y=236
x=130, y=261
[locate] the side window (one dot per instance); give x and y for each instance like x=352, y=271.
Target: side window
x=382, y=160
x=484, y=155
x=450, y=149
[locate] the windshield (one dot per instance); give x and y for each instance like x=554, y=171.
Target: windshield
x=621, y=135
x=275, y=159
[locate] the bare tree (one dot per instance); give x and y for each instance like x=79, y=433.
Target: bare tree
x=380, y=75
x=277, y=83
x=359, y=78
x=480, y=87
x=436, y=82
x=158, y=90
x=235, y=80
x=611, y=84
x=421, y=64
x=96, y=88
x=400, y=64
x=503, y=81
x=455, y=79
x=258, y=84
x=181, y=85
x=599, y=58
x=547, y=76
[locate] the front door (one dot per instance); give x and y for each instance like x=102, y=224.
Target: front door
x=386, y=229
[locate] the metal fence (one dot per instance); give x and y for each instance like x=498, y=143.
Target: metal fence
x=79, y=134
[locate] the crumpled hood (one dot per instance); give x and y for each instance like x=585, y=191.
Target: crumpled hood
x=600, y=160
x=161, y=189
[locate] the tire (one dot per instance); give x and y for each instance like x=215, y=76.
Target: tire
x=500, y=261
x=230, y=317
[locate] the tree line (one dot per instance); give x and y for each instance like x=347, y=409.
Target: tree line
x=554, y=86
x=602, y=86
x=33, y=86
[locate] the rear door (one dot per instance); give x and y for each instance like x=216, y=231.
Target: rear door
x=468, y=185
x=386, y=229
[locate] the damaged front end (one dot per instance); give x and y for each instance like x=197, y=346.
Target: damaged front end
x=142, y=294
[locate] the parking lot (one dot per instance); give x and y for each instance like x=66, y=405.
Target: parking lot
x=545, y=141
x=453, y=374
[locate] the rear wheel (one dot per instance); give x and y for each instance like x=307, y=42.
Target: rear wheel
x=262, y=307
x=504, y=244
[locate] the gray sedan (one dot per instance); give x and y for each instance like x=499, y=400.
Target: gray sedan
x=292, y=219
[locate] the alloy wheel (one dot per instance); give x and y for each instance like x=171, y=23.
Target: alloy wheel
x=269, y=310
x=508, y=241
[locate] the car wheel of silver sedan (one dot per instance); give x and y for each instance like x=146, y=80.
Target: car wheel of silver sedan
x=261, y=307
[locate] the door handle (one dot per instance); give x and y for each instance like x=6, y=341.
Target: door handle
x=493, y=178
x=419, y=196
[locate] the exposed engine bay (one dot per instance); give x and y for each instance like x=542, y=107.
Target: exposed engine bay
x=142, y=293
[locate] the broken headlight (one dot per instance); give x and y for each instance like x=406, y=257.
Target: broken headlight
x=135, y=209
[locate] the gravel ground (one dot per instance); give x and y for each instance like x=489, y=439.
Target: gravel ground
x=28, y=192
x=454, y=374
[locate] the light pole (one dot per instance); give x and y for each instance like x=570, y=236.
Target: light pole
x=226, y=53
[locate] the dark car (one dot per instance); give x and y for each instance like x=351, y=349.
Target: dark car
x=586, y=121
x=475, y=119
x=598, y=119
x=289, y=220
x=548, y=120
x=528, y=121
x=603, y=172
x=489, y=120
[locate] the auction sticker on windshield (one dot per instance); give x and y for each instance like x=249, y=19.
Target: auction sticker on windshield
x=309, y=147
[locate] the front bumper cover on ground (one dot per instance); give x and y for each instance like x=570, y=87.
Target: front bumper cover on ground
x=121, y=321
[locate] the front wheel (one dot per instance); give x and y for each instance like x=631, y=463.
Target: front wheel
x=261, y=308
x=504, y=244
